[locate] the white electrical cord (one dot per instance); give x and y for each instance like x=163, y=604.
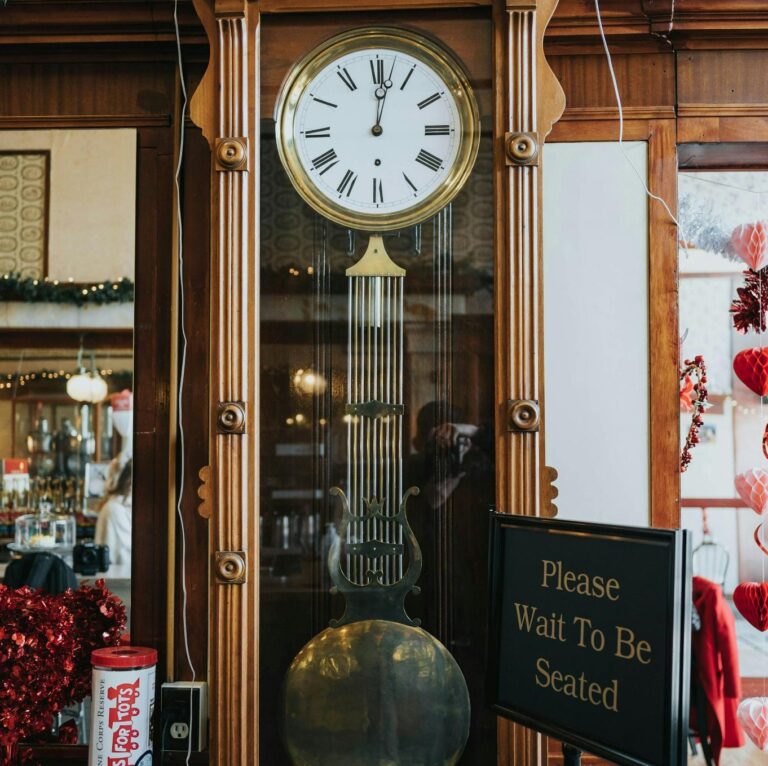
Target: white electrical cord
x=621, y=121
x=182, y=372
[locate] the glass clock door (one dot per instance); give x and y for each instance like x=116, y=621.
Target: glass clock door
x=374, y=382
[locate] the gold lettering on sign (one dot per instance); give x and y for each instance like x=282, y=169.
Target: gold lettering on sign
x=594, y=586
x=577, y=687
x=612, y=641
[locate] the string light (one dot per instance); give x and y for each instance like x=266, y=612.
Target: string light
x=13, y=378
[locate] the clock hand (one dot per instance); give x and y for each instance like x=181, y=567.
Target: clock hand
x=381, y=96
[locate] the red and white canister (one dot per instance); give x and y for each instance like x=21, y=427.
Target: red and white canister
x=122, y=701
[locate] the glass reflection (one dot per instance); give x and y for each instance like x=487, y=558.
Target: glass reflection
x=714, y=207
x=309, y=433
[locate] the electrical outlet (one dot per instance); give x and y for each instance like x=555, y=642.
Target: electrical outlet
x=179, y=730
x=184, y=715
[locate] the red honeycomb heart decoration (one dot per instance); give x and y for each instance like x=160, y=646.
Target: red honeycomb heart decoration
x=751, y=367
x=751, y=599
x=752, y=486
x=750, y=242
x=753, y=717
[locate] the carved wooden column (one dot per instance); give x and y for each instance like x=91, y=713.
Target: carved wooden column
x=225, y=106
x=528, y=101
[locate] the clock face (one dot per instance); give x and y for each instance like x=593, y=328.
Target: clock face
x=380, y=131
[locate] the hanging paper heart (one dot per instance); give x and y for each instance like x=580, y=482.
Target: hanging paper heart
x=751, y=367
x=753, y=717
x=752, y=486
x=751, y=599
x=750, y=242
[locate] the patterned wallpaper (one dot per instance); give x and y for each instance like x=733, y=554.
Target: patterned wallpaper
x=23, y=212
x=288, y=224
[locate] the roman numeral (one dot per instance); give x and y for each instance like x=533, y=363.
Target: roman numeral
x=327, y=103
x=377, y=71
x=348, y=183
x=429, y=100
x=326, y=160
x=409, y=182
x=318, y=133
x=436, y=130
x=378, y=192
x=346, y=78
x=407, y=77
x=429, y=160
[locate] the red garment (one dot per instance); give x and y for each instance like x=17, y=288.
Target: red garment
x=717, y=665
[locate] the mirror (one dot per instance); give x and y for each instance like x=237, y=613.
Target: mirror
x=67, y=263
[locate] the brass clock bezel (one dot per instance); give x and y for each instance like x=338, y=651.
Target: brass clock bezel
x=435, y=56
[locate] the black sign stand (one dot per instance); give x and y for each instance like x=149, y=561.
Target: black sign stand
x=572, y=755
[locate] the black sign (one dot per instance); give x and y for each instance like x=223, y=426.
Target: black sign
x=590, y=635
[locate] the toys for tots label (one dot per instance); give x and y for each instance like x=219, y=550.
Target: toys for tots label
x=122, y=714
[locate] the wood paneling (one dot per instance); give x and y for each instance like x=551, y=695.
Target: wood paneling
x=152, y=388
x=728, y=156
x=75, y=89
x=56, y=337
x=721, y=77
x=96, y=21
x=196, y=192
x=587, y=84
x=716, y=129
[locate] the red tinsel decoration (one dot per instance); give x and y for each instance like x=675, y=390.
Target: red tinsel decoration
x=693, y=398
x=100, y=619
x=749, y=309
x=45, y=647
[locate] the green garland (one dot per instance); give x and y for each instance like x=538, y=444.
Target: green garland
x=14, y=287
x=16, y=379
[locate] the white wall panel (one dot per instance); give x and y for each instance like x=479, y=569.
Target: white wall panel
x=596, y=331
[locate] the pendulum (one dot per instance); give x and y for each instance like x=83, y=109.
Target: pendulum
x=375, y=689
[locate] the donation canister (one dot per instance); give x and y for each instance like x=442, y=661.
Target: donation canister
x=122, y=701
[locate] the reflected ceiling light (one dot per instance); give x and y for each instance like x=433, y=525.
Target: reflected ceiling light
x=309, y=382
x=86, y=387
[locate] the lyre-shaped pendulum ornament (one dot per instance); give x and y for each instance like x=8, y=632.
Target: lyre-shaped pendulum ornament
x=375, y=689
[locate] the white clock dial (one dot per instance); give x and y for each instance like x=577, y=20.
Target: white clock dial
x=377, y=128
x=377, y=131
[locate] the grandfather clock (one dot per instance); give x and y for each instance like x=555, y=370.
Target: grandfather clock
x=376, y=273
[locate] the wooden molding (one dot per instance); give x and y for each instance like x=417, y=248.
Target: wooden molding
x=723, y=110
x=26, y=122
x=298, y=6
x=664, y=338
x=48, y=22
x=529, y=100
x=612, y=113
x=223, y=107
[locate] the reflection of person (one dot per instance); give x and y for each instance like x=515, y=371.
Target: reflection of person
x=447, y=451
x=113, y=527
x=454, y=468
